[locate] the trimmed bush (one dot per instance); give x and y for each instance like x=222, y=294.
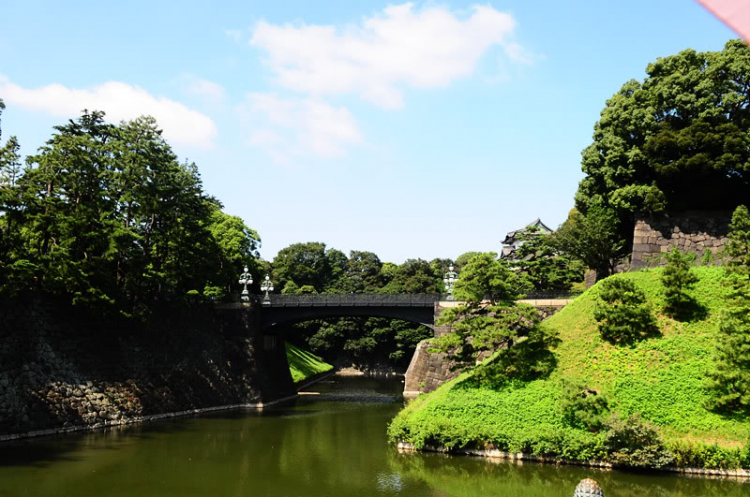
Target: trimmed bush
x=622, y=312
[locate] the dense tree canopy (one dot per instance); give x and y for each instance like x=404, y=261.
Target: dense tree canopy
x=106, y=215
x=677, y=140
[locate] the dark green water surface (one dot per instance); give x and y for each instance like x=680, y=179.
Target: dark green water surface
x=321, y=445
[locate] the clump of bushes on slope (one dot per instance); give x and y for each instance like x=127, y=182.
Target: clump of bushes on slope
x=660, y=377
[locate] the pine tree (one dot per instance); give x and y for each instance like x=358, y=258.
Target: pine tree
x=678, y=280
x=622, y=312
x=730, y=380
x=739, y=242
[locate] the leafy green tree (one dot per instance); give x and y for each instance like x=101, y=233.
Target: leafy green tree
x=303, y=263
x=69, y=213
x=238, y=245
x=622, y=312
x=490, y=320
x=413, y=276
x=544, y=265
x=739, y=242
x=462, y=259
x=677, y=140
x=364, y=342
x=13, y=265
x=593, y=239
x=729, y=382
x=360, y=274
x=290, y=287
x=678, y=279
x=106, y=215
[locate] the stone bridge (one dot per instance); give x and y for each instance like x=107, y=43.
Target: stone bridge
x=426, y=371
x=414, y=308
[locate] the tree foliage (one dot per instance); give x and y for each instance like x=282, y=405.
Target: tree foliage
x=490, y=320
x=678, y=280
x=543, y=265
x=636, y=443
x=107, y=216
x=677, y=140
x=738, y=247
x=582, y=407
x=593, y=239
x=729, y=382
x=622, y=312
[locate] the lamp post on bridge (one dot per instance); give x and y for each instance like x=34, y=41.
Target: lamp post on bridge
x=266, y=286
x=450, y=279
x=245, y=279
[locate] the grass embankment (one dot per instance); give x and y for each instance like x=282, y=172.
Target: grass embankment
x=662, y=377
x=304, y=364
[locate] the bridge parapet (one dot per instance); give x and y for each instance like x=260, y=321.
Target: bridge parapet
x=354, y=300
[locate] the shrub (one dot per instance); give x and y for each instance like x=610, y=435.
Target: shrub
x=582, y=407
x=689, y=454
x=622, y=313
x=635, y=442
x=678, y=280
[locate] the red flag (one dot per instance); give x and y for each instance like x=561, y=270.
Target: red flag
x=734, y=13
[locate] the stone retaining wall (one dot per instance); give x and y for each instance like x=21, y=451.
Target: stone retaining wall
x=62, y=368
x=696, y=232
x=427, y=371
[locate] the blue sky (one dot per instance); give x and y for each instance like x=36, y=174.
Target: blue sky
x=410, y=130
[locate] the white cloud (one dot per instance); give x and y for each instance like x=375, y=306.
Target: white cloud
x=299, y=127
x=120, y=101
x=403, y=46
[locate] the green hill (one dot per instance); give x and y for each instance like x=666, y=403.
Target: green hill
x=661, y=377
x=304, y=364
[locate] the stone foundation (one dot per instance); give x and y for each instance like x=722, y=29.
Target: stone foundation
x=428, y=371
x=63, y=368
x=695, y=232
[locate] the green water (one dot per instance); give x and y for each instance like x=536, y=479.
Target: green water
x=325, y=445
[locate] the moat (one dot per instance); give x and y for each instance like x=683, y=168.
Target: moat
x=328, y=443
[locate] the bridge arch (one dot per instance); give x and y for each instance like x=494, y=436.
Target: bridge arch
x=285, y=309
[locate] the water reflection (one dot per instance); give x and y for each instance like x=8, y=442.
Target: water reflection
x=325, y=445
x=468, y=476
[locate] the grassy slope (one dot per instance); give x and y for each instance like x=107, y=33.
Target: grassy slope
x=661, y=377
x=304, y=364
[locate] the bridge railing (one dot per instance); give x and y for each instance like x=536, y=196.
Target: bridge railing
x=353, y=299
